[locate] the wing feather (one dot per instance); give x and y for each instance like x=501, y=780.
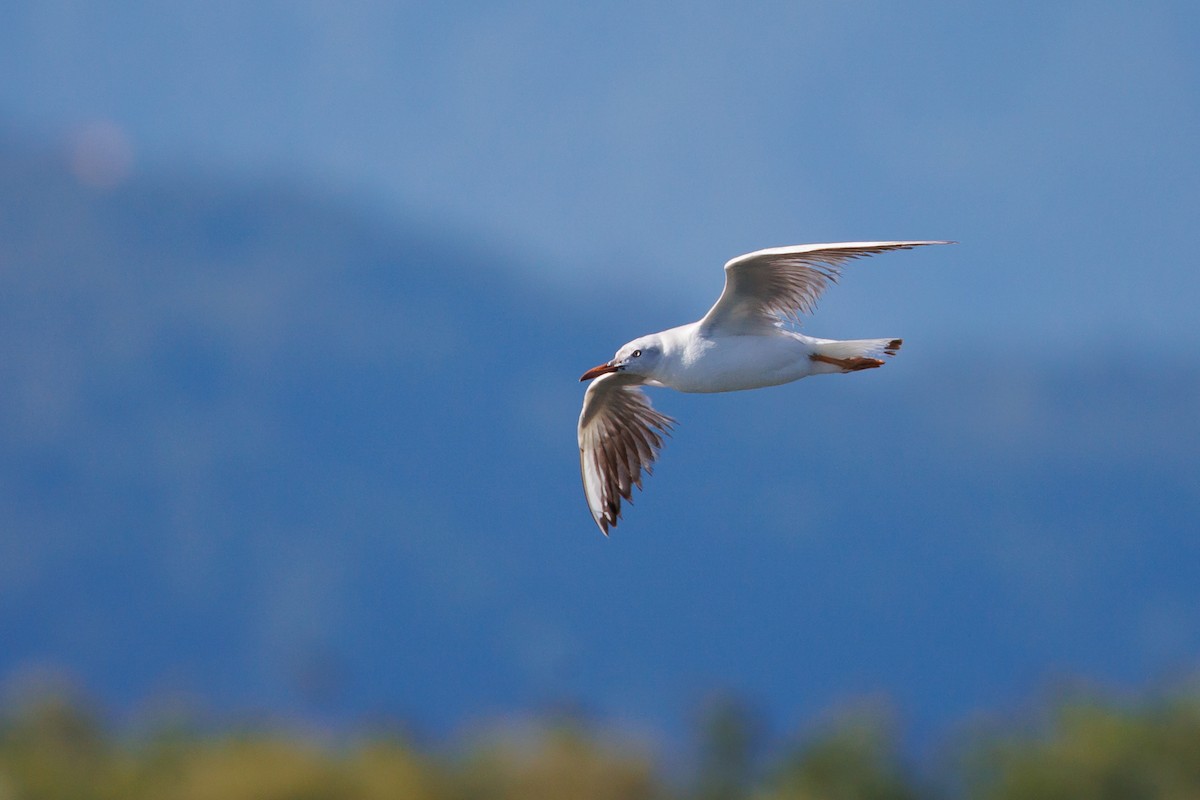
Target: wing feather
x=620, y=435
x=766, y=287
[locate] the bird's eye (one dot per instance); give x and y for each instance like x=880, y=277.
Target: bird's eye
x=637, y=353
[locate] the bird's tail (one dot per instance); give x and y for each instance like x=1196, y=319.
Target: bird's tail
x=852, y=354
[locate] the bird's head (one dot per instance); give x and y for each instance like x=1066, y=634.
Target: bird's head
x=639, y=357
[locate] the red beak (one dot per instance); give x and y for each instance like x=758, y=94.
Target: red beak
x=596, y=372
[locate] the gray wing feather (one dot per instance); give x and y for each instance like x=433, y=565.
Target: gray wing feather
x=766, y=287
x=620, y=435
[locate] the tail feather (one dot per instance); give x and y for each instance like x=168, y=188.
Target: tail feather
x=854, y=354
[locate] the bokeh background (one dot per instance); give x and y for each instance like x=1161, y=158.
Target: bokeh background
x=294, y=298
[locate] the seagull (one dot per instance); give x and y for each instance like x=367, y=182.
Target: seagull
x=745, y=341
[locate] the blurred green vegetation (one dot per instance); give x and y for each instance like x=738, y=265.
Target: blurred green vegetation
x=1095, y=749
x=56, y=747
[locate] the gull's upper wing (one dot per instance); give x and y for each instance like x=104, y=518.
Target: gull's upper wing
x=765, y=286
x=619, y=436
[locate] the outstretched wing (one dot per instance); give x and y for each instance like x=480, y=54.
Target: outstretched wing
x=765, y=286
x=620, y=434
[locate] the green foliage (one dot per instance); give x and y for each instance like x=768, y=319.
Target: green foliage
x=51, y=748
x=730, y=738
x=1097, y=751
x=561, y=761
x=56, y=748
x=855, y=759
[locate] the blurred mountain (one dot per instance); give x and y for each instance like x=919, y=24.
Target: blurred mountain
x=263, y=449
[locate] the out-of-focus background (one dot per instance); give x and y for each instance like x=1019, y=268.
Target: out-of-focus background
x=294, y=298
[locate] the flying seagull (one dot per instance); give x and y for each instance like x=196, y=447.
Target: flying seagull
x=743, y=342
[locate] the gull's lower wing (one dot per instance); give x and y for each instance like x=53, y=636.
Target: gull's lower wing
x=784, y=282
x=620, y=435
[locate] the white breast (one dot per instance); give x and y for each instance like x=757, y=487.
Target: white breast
x=734, y=363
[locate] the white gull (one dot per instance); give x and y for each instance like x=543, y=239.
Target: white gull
x=743, y=342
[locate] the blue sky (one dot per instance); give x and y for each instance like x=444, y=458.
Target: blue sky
x=240, y=437
x=630, y=148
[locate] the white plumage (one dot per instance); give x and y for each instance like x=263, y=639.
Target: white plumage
x=741, y=343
